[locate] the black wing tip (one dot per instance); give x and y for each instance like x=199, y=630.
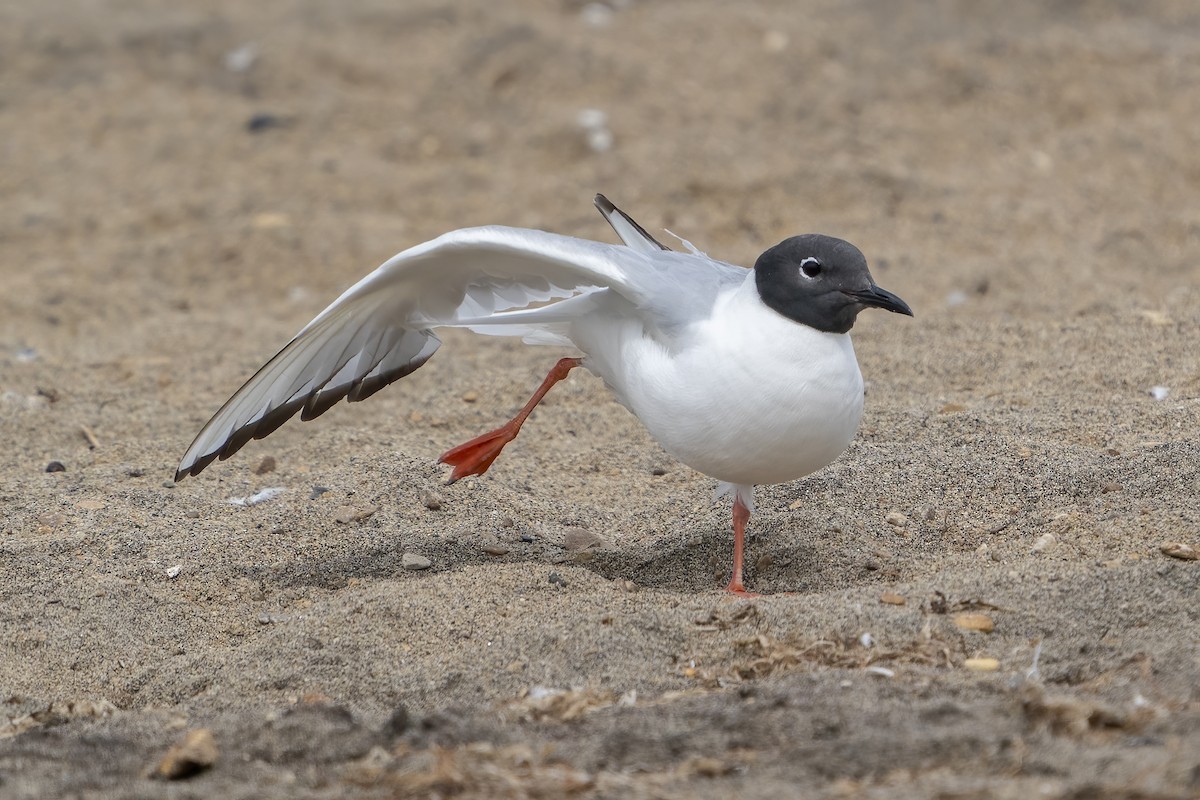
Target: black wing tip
x=608, y=208
x=310, y=406
x=196, y=467
x=191, y=470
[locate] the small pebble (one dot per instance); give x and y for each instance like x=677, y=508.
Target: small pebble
x=56, y=466
x=242, y=58
x=168, y=484
x=591, y=118
x=1110, y=486
x=600, y=140
x=270, y=221
x=709, y=767
x=414, y=562
x=577, y=539
x=317, y=491
x=348, y=514
x=1044, y=542
x=974, y=622
x=658, y=472
x=266, y=465
x=1160, y=392
x=1156, y=318
x=527, y=538
x=882, y=672
x=194, y=754
x=596, y=15
x=896, y=518
x=470, y=396
x=135, y=472
x=892, y=599
x=496, y=550
x=982, y=664
x=557, y=579
x=867, y=640
x=265, y=121
x=595, y=126
x=174, y=571
x=432, y=501
x=397, y=723
x=937, y=603
x=1184, y=552
x=50, y=521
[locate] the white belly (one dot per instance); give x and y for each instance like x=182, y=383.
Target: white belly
x=748, y=398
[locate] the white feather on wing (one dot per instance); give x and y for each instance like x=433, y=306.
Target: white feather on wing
x=379, y=330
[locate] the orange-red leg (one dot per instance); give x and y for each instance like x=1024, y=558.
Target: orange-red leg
x=474, y=457
x=741, y=515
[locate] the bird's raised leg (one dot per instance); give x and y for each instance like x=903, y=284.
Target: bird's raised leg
x=474, y=457
x=741, y=515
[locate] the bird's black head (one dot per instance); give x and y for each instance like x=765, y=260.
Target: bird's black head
x=821, y=282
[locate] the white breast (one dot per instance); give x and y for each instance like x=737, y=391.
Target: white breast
x=747, y=397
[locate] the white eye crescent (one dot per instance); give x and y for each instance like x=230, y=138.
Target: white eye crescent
x=811, y=267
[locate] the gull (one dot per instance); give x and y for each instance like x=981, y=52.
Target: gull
x=745, y=375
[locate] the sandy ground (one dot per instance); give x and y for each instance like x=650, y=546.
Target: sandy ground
x=1024, y=174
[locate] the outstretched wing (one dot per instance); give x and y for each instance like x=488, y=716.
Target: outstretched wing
x=379, y=330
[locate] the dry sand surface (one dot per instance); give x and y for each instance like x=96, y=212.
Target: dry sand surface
x=183, y=185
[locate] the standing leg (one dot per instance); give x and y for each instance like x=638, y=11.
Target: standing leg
x=741, y=515
x=474, y=457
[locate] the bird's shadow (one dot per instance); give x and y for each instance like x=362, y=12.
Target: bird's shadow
x=688, y=561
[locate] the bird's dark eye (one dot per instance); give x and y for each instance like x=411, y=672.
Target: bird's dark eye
x=810, y=267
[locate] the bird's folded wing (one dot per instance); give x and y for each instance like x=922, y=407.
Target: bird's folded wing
x=379, y=330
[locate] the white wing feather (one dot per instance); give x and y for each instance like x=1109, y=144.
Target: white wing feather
x=379, y=330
